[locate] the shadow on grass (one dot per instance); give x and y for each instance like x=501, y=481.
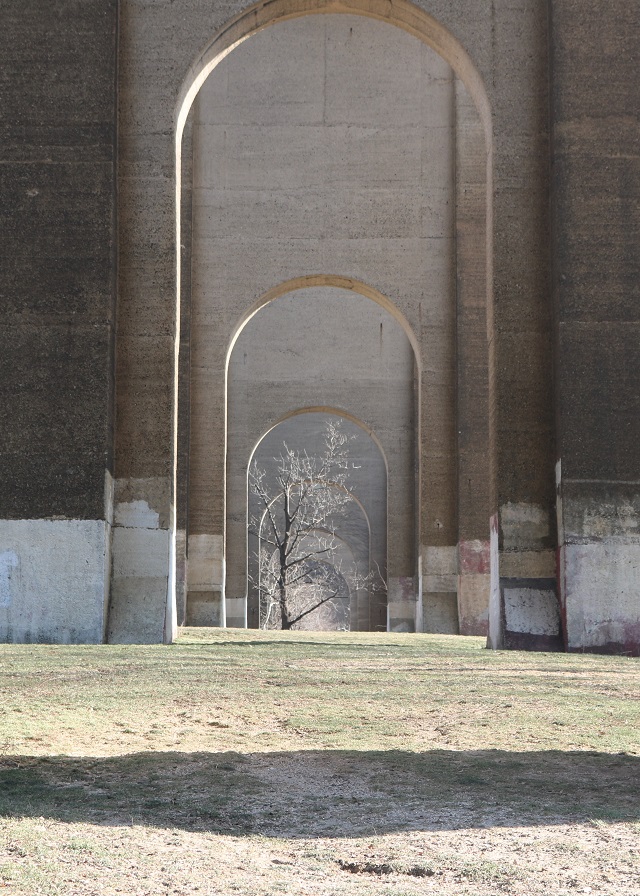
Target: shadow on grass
x=328, y=793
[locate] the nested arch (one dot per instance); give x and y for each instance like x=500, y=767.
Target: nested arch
x=332, y=281
x=417, y=295
x=359, y=529
x=402, y=14
x=308, y=354
x=338, y=412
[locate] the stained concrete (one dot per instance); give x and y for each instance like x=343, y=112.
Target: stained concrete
x=596, y=189
x=57, y=241
x=531, y=615
x=440, y=613
x=58, y=92
x=54, y=577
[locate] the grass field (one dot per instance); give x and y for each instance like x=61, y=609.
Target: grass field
x=266, y=763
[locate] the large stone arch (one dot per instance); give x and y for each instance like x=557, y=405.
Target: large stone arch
x=421, y=283
x=505, y=78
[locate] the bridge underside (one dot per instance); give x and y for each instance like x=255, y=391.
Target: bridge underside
x=362, y=228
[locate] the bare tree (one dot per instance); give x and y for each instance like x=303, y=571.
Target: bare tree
x=300, y=506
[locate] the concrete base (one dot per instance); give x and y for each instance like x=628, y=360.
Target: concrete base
x=181, y=577
x=528, y=616
x=439, y=586
x=600, y=589
x=205, y=575
x=440, y=613
x=235, y=612
x=53, y=581
x=402, y=604
x=204, y=608
x=474, y=586
x=139, y=585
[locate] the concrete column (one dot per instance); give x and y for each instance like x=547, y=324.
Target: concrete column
x=520, y=329
x=596, y=233
x=184, y=377
x=474, y=459
x=144, y=503
x=438, y=504
x=57, y=281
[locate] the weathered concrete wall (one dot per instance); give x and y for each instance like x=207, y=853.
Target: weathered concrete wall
x=54, y=576
x=596, y=280
x=57, y=280
x=520, y=323
x=139, y=578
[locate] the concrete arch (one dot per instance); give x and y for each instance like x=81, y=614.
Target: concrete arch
x=408, y=18
x=232, y=585
x=334, y=281
x=364, y=539
x=308, y=282
x=402, y=14
x=336, y=412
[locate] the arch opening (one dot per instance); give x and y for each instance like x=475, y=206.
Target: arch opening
x=341, y=526
x=407, y=315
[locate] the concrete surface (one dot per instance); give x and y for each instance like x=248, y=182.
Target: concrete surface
x=547, y=80
x=595, y=191
x=54, y=577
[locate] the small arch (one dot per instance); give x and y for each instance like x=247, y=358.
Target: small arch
x=325, y=409
x=355, y=529
x=336, y=413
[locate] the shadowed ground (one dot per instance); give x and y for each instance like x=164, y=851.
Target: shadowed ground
x=325, y=793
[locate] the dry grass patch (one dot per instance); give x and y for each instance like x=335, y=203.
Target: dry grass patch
x=266, y=763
